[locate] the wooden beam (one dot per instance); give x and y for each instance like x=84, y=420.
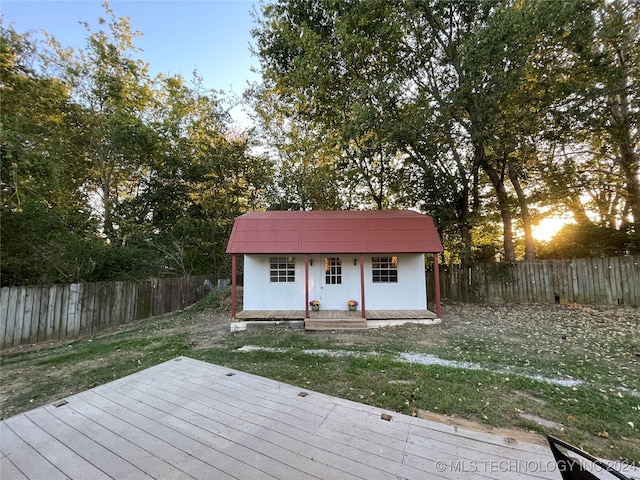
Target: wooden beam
x=234, y=268
x=436, y=275
x=362, y=310
x=306, y=285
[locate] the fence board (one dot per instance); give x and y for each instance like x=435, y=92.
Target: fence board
x=594, y=281
x=64, y=312
x=630, y=288
x=545, y=283
x=582, y=285
x=616, y=272
x=143, y=305
x=116, y=295
x=574, y=282
x=130, y=288
x=566, y=268
x=4, y=312
x=17, y=332
x=106, y=296
x=99, y=314
x=11, y=316
x=75, y=310
x=36, y=314
x=88, y=306
x=42, y=317
x=611, y=280
x=598, y=281
x=548, y=285
x=27, y=300
x=635, y=269
x=522, y=282
x=51, y=312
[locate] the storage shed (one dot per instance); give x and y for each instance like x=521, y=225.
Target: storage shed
x=373, y=258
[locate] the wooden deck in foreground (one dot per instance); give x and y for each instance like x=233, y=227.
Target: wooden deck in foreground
x=187, y=419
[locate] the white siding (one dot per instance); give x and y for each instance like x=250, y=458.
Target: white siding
x=409, y=293
x=260, y=294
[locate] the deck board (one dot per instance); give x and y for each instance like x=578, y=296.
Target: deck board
x=46, y=446
x=189, y=419
x=25, y=461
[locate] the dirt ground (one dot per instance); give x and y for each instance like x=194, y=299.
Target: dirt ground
x=607, y=338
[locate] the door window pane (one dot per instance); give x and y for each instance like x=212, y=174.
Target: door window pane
x=333, y=271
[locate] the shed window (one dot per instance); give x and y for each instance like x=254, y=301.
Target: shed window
x=384, y=269
x=282, y=269
x=333, y=271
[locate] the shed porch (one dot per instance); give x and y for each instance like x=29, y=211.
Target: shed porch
x=338, y=319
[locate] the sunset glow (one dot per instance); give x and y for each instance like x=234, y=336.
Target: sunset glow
x=547, y=228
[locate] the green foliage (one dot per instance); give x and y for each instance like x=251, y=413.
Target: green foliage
x=41, y=249
x=211, y=301
x=108, y=174
x=464, y=110
x=477, y=113
x=589, y=240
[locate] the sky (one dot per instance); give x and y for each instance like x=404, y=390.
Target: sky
x=179, y=36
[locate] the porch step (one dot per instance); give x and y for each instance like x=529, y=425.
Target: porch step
x=335, y=324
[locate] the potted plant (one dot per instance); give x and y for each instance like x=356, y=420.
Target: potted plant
x=315, y=305
x=352, y=304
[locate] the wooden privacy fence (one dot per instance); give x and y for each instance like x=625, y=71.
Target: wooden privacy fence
x=597, y=281
x=57, y=312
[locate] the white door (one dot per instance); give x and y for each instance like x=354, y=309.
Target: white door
x=333, y=287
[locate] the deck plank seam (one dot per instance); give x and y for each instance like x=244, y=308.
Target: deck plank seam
x=336, y=452
x=274, y=445
x=166, y=419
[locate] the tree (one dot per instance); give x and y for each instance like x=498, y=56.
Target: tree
x=113, y=91
x=43, y=206
x=305, y=175
x=323, y=77
x=591, y=72
x=588, y=240
x=411, y=84
x=458, y=96
x=169, y=173
x=200, y=178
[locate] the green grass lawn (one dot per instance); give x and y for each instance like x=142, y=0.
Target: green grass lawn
x=515, y=352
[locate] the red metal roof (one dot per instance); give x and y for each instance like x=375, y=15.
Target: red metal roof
x=373, y=231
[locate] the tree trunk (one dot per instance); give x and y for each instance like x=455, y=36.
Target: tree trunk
x=629, y=163
x=623, y=133
x=107, y=226
x=463, y=223
x=529, y=244
x=505, y=212
x=465, y=236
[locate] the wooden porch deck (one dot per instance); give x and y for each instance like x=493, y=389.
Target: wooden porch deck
x=187, y=419
x=250, y=315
